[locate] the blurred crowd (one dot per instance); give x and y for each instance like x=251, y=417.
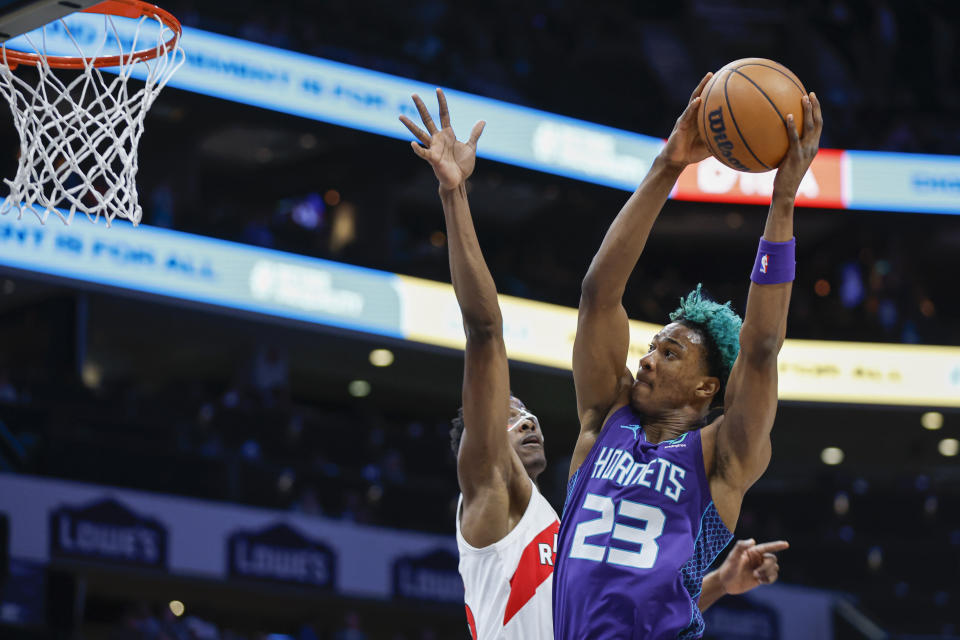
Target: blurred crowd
x=878, y=537
x=144, y=622
x=883, y=542
x=244, y=442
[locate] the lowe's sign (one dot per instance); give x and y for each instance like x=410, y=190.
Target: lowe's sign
x=280, y=553
x=432, y=576
x=107, y=531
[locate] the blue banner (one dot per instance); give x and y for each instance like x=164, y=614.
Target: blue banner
x=215, y=272
x=310, y=87
x=289, y=82
x=903, y=182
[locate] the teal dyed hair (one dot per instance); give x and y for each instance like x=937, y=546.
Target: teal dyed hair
x=721, y=326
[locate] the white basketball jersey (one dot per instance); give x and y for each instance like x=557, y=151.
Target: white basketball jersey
x=508, y=585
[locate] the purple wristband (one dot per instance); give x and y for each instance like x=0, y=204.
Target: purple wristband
x=776, y=262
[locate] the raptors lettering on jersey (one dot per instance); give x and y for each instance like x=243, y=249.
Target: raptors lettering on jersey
x=508, y=585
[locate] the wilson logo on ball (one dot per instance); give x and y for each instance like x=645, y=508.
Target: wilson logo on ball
x=743, y=113
x=719, y=130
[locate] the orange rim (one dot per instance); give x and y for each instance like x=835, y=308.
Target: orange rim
x=134, y=9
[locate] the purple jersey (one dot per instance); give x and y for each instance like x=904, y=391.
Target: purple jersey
x=638, y=532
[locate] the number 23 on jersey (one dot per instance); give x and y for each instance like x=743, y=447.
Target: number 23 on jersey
x=640, y=549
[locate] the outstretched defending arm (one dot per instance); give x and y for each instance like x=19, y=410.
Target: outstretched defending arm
x=750, y=403
x=603, y=335
x=488, y=470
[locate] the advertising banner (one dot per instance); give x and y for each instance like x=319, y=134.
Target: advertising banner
x=280, y=553
x=57, y=520
x=289, y=82
x=712, y=181
x=854, y=372
x=216, y=272
x=228, y=275
x=107, y=531
x=311, y=87
x=432, y=576
x=903, y=182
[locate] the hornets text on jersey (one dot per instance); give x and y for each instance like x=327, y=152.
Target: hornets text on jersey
x=639, y=531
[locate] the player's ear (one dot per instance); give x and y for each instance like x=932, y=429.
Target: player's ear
x=708, y=387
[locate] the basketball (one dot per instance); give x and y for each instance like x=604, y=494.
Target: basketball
x=743, y=116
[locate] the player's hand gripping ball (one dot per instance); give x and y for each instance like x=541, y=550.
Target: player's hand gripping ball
x=743, y=116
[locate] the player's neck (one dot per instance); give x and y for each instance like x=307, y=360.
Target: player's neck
x=670, y=425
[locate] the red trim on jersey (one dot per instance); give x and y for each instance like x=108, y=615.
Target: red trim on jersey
x=471, y=623
x=530, y=573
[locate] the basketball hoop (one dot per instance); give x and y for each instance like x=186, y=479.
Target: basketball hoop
x=79, y=131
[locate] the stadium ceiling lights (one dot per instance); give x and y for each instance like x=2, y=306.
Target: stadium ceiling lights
x=359, y=388
x=949, y=447
x=381, y=357
x=932, y=420
x=832, y=456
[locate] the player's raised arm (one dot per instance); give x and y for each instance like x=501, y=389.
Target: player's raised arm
x=600, y=347
x=750, y=403
x=485, y=459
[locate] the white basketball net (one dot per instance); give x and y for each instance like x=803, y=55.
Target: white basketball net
x=79, y=136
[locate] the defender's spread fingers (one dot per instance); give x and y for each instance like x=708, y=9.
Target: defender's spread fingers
x=424, y=115
x=420, y=134
x=420, y=151
x=444, y=111
x=475, y=133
